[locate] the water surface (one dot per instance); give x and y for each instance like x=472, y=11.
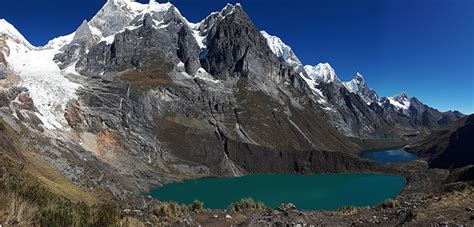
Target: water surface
x=309, y=192
x=388, y=155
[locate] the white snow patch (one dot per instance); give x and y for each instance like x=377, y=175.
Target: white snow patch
x=399, y=103
x=280, y=49
x=204, y=75
x=322, y=72
x=116, y=15
x=355, y=84
x=59, y=42
x=321, y=98
x=9, y=30
x=327, y=108
x=46, y=83
x=109, y=39
x=199, y=39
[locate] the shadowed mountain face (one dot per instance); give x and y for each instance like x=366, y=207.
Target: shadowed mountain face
x=450, y=146
x=139, y=96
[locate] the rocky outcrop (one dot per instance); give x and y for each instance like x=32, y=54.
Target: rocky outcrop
x=81, y=43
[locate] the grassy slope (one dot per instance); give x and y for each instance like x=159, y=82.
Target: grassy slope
x=33, y=192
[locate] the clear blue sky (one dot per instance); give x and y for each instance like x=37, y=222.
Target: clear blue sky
x=422, y=47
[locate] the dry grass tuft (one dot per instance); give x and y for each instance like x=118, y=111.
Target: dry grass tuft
x=170, y=212
x=246, y=204
x=347, y=210
x=389, y=204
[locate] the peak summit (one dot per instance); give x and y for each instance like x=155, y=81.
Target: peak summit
x=8, y=29
x=359, y=77
x=229, y=9
x=358, y=86
x=117, y=14
x=403, y=95
x=322, y=72
x=399, y=102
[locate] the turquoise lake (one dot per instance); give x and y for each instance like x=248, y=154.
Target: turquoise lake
x=388, y=155
x=307, y=192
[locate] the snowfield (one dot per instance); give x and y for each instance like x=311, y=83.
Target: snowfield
x=48, y=87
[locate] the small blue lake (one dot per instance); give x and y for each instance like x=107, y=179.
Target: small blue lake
x=389, y=155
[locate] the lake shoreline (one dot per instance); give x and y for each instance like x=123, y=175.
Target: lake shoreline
x=269, y=188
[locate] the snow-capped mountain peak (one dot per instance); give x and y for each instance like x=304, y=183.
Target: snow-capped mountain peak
x=356, y=83
x=9, y=30
x=359, y=86
x=280, y=49
x=229, y=9
x=115, y=15
x=402, y=96
x=399, y=102
x=83, y=32
x=359, y=77
x=322, y=72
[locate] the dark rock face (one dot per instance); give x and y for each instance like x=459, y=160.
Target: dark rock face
x=83, y=40
x=16, y=100
x=264, y=160
x=449, y=117
x=144, y=47
x=352, y=116
x=450, y=146
x=236, y=47
x=459, y=152
x=141, y=47
x=3, y=72
x=188, y=50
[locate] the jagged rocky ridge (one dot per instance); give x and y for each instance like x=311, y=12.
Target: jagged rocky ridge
x=141, y=96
